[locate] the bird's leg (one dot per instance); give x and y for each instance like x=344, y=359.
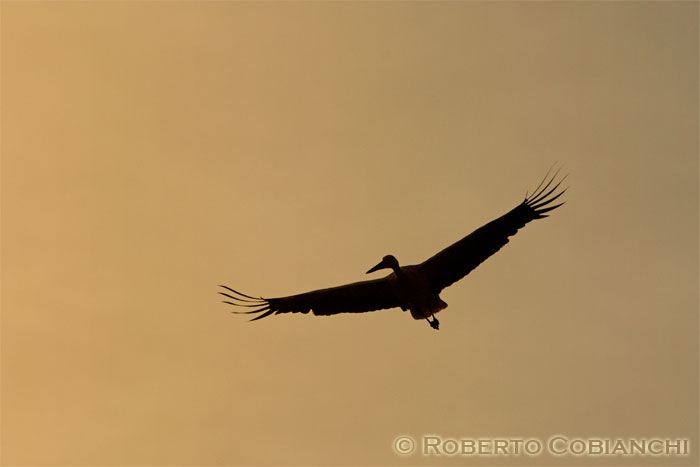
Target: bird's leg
x=435, y=324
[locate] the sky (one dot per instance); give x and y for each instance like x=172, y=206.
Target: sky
x=153, y=150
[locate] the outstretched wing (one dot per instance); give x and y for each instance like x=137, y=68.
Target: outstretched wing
x=459, y=259
x=359, y=297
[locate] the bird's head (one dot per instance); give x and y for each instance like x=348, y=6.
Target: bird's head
x=388, y=262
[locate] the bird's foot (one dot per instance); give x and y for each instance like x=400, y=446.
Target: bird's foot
x=435, y=324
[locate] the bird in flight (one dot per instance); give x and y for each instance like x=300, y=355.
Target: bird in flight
x=416, y=287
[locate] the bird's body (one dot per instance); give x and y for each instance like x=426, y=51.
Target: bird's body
x=415, y=287
x=413, y=291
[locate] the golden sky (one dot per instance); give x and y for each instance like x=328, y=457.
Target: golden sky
x=152, y=150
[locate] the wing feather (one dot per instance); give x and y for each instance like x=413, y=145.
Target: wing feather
x=459, y=259
x=358, y=297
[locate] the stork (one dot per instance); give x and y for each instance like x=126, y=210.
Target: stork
x=416, y=287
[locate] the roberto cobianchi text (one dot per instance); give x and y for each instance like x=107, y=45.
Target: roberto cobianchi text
x=556, y=445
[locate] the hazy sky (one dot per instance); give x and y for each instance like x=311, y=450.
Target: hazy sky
x=152, y=150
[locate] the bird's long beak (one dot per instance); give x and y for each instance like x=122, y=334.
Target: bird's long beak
x=381, y=265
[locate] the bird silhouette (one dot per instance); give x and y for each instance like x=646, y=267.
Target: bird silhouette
x=415, y=287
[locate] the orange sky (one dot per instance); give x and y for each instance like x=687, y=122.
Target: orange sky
x=152, y=150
